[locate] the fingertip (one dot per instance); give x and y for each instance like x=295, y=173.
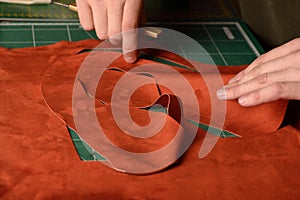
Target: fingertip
x=85, y=15
x=102, y=36
x=243, y=101
x=221, y=94
x=87, y=26
x=130, y=59
x=131, y=56
x=115, y=39
x=250, y=100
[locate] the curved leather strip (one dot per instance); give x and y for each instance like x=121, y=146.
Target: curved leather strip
x=106, y=120
x=270, y=115
x=53, y=88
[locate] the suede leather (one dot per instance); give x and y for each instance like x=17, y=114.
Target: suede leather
x=38, y=159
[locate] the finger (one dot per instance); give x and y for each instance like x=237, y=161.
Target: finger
x=130, y=45
x=100, y=18
x=132, y=10
x=85, y=15
x=264, y=80
x=281, y=51
x=278, y=64
x=287, y=90
x=115, y=15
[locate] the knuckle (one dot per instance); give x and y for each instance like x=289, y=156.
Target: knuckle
x=262, y=58
x=238, y=82
x=256, y=71
x=279, y=89
x=256, y=96
x=263, y=78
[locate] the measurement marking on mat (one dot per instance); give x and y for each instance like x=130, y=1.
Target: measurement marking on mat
x=228, y=33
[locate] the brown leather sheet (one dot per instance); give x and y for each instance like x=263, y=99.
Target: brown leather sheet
x=38, y=160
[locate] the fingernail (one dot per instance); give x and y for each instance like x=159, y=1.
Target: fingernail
x=242, y=101
x=221, y=94
x=129, y=59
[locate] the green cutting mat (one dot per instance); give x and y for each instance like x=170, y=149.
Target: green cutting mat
x=37, y=12
x=16, y=35
x=238, y=48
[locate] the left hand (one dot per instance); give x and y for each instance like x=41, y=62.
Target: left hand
x=110, y=18
x=272, y=76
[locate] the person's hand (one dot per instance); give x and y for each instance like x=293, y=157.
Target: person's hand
x=272, y=76
x=111, y=17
